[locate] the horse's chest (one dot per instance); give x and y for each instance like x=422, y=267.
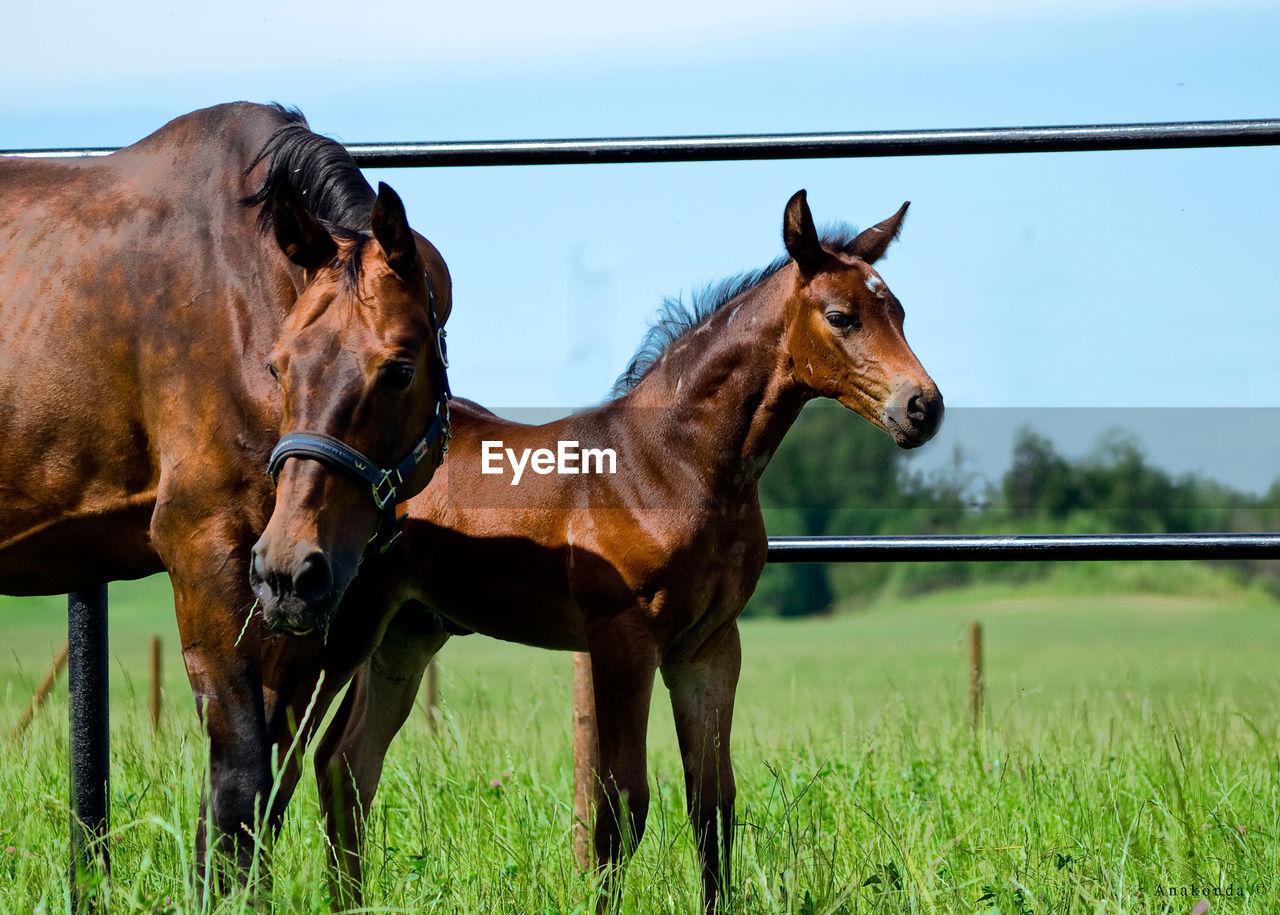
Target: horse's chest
x=711, y=583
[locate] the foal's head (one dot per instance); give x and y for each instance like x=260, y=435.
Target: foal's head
x=844, y=329
x=359, y=363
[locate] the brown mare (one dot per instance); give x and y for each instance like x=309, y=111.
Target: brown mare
x=648, y=568
x=146, y=300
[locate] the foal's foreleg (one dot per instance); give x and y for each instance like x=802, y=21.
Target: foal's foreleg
x=622, y=669
x=300, y=682
x=702, y=688
x=349, y=757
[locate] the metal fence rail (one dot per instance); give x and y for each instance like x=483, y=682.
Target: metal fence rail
x=855, y=144
x=1024, y=547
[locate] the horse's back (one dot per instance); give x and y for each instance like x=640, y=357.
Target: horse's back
x=118, y=275
x=103, y=250
x=221, y=139
x=185, y=155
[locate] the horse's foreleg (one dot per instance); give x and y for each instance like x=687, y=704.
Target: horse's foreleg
x=702, y=688
x=350, y=754
x=228, y=693
x=207, y=554
x=622, y=668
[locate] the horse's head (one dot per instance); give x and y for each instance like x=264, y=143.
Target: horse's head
x=844, y=329
x=361, y=369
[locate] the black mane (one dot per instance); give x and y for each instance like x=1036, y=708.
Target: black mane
x=676, y=319
x=323, y=173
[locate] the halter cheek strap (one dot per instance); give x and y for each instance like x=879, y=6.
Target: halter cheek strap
x=384, y=483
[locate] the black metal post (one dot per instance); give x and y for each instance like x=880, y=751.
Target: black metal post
x=87, y=670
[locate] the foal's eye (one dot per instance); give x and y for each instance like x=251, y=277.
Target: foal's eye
x=398, y=375
x=271, y=367
x=840, y=320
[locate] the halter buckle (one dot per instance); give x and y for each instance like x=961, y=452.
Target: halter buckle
x=440, y=347
x=446, y=429
x=382, y=496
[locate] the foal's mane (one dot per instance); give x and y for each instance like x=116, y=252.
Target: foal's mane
x=326, y=178
x=676, y=319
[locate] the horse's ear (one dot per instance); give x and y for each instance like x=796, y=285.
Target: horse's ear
x=800, y=236
x=299, y=234
x=391, y=229
x=871, y=244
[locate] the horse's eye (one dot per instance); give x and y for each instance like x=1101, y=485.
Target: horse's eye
x=271, y=367
x=398, y=375
x=840, y=320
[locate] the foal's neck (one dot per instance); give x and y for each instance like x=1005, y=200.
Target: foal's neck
x=723, y=396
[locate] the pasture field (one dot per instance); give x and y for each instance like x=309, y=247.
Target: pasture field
x=1127, y=763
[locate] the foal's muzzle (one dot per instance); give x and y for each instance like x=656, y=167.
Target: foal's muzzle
x=298, y=597
x=913, y=414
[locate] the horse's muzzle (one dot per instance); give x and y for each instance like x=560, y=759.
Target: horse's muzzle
x=913, y=414
x=298, y=597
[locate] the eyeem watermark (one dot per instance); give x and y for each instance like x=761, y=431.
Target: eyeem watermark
x=568, y=459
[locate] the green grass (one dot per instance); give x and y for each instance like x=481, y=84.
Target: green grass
x=1129, y=747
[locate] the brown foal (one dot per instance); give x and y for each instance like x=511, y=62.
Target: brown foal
x=646, y=568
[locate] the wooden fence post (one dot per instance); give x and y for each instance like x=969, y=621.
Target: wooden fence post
x=155, y=684
x=586, y=759
x=433, y=709
x=42, y=692
x=975, y=673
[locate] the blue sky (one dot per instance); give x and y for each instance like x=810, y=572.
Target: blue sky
x=1115, y=282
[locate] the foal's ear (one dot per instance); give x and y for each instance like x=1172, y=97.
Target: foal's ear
x=391, y=229
x=299, y=235
x=800, y=236
x=871, y=244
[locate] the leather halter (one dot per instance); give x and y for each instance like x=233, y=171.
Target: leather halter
x=384, y=483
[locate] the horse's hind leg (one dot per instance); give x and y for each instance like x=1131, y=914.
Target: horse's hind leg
x=349, y=756
x=702, y=686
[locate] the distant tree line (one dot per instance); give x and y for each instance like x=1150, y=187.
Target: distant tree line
x=836, y=474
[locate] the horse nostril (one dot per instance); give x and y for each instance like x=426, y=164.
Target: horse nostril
x=259, y=566
x=314, y=580
x=917, y=410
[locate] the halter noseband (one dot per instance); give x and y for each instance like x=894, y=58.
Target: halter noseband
x=384, y=482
